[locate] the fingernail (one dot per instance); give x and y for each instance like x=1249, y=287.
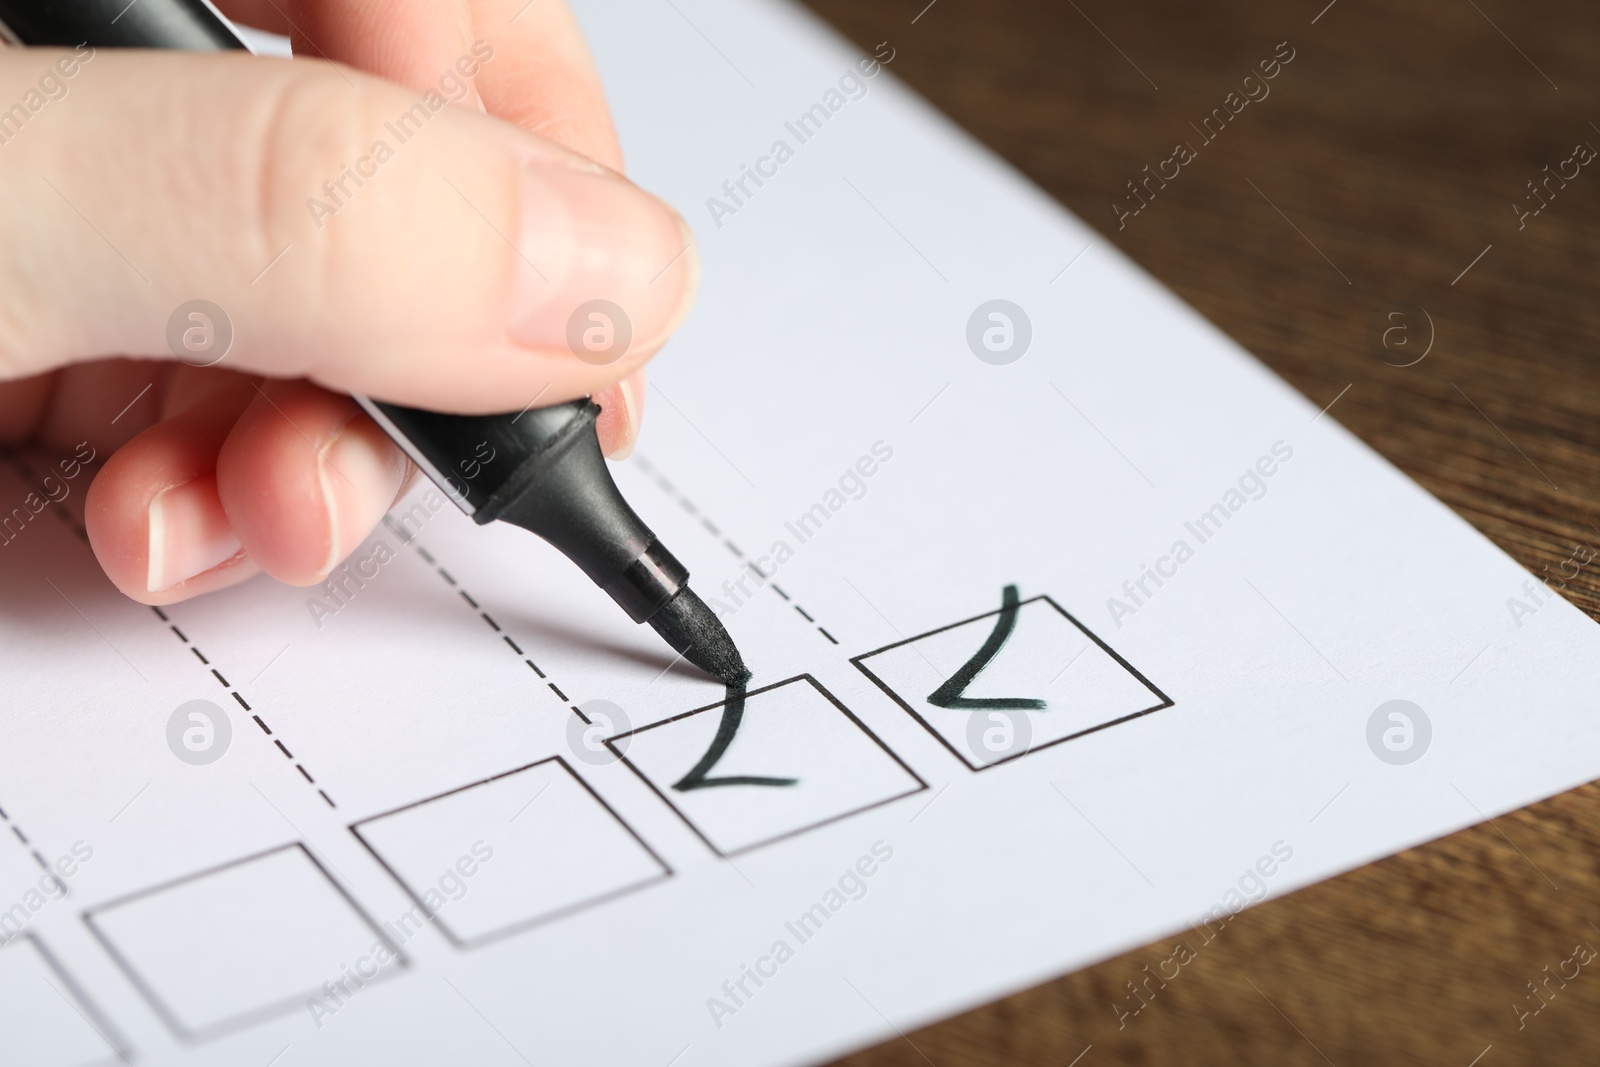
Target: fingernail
x=189, y=533
x=360, y=472
x=630, y=403
x=592, y=236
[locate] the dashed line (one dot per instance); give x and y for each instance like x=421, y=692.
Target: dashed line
x=83, y=535
x=32, y=851
x=489, y=621
x=671, y=491
x=239, y=697
x=28, y=475
x=666, y=487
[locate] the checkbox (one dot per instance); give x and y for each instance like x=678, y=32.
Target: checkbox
x=231, y=946
x=508, y=853
x=1050, y=680
x=799, y=760
x=44, y=1019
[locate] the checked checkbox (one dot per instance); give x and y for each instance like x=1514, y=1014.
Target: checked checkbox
x=1011, y=681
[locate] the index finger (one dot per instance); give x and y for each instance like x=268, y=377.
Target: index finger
x=414, y=44
x=542, y=77
x=548, y=83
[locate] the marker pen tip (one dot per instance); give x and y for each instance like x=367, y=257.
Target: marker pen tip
x=688, y=625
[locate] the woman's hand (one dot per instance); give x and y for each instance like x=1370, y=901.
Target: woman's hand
x=359, y=232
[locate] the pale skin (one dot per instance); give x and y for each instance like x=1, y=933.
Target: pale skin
x=445, y=281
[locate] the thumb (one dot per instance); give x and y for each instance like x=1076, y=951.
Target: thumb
x=369, y=237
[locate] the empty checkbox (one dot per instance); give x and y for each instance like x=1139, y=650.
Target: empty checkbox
x=507, y=853
x=236, y=944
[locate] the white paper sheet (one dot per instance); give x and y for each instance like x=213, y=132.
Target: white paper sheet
x=411, y=850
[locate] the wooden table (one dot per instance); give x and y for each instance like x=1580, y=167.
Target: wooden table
x=1379, y=175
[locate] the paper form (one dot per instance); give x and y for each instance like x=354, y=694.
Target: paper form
x=1073, y=629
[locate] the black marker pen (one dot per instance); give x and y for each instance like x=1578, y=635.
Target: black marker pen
x=547, y=473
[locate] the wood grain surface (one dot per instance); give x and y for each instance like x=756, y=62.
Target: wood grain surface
x=1385, y=161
